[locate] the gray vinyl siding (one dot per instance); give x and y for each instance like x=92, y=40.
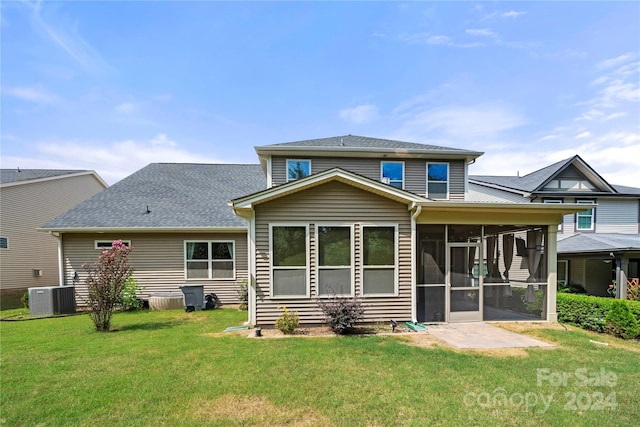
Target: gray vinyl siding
x=415, y=171
x=332, y=202
x=158, y=260
x=24, y=208
x=617, y=216
x=480, y=193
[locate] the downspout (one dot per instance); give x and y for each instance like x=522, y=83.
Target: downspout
x=251, y=284
x=414, y=263
x=58, y=236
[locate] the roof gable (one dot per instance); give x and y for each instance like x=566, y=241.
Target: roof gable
x=10, y=177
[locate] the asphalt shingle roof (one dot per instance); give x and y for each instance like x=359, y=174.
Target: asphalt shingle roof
x=353, y=141
x=528, y=182
x=178, y=196
x=598, y=242
x=20, y=175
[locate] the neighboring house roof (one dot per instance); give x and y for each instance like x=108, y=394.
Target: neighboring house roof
x=534, y=182
x=361, y=145
x=166, y=196
x=10, y=177
x=247, y=202
x=599, y=242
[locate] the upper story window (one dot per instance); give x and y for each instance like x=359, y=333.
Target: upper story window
x=438, y=181
x=4, y=243
x=569, y=185
x=209, y=260
x=392, y=173
x=297, y=169
x=585, y=220
x=335, y=260
x=289, y=266
x=555, y=201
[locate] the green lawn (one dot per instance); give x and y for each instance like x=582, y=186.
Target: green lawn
x=175, y=368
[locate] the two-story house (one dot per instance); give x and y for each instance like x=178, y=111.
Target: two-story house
x=28, y=198
x=386, y=221
x=596, y=247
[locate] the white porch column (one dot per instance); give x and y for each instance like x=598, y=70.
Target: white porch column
x=251, y=277
x=552, y=272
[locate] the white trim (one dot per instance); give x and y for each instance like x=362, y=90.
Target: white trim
x=307, y=267
x=251, y=276
x=351, y=267
x=286, y=166
x=269, y=172
x=383, y=178
x=145, y=230
x=396, y=238
x=440, y=182
x=593, y=215
x=210, y=261
x=108, y=243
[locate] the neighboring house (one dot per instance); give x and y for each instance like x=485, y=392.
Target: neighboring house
x=387, y=221
x=28, y=198
x=595, y=247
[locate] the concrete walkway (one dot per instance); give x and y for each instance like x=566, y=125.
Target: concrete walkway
x=482, y=335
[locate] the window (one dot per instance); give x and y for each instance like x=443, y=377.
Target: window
x=334, y=260
x=555, y=201
x=297, y=169
x=106, y=244
x=379, y=252
x=4, y=243
x=289, y=272
x=563, y=271
x=584, y=220
x=438, y=181
x=209, y=260
x=392, y=173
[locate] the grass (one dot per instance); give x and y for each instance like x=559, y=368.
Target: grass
x=175, y=368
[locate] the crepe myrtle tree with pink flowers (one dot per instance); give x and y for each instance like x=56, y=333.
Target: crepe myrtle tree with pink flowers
x=105, y=281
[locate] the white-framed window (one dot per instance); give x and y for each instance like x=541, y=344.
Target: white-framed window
x=379, y=252
x=334, y=251
x=438, y=180
x=585, y=220
x=392, y=173
x=289, y=260
x=4, y=243
x=209, y=259
x=563, y=271
x=555, y=201
x=298, y=168
x=106, y=244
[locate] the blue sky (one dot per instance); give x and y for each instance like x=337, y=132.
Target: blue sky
x=113, y=86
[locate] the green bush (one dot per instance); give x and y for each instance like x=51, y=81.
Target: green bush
x=243, y=295
x=288, y=322
x=25, y=299
x=128, y=297
x=620, y=322
x=589, y=312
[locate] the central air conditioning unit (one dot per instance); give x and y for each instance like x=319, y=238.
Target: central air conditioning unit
x=51, y=300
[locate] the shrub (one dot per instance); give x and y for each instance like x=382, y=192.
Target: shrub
x=287, y=323
x=25, y=299
x=620, y=322
x=105, y=282
x=128, y=298
x=589, y=312
x=341, y=313
x=571, y=288
x=243, y=295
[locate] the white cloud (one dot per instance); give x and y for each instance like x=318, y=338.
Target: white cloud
x=358, y=115
x=484, y=32
x=498, y=15
x=424, y=38
x=614, y=62
x=583, y=135
x=112, y=160
x=35, y=94
x=513, y=14
x=125, y=108
x=615, y=115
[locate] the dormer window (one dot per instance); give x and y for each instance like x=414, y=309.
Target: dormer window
x=297, y=169
x=438, y=181
x=392, y=173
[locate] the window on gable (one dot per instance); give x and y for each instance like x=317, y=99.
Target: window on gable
x=4, y=243
x=289, y=267
x=297, y=169
x=209, y=260
x=438, y=181
x=584, y=220
x=335, y=265
x=379, y=252
x=392, y=173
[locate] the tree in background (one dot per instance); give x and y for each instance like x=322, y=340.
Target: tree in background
x=106, y=280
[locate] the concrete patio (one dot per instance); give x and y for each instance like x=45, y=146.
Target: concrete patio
x=480, y=335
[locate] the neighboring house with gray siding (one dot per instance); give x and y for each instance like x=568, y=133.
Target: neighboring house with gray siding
x=595, y=247
x=29, y=198
x=387, y=221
